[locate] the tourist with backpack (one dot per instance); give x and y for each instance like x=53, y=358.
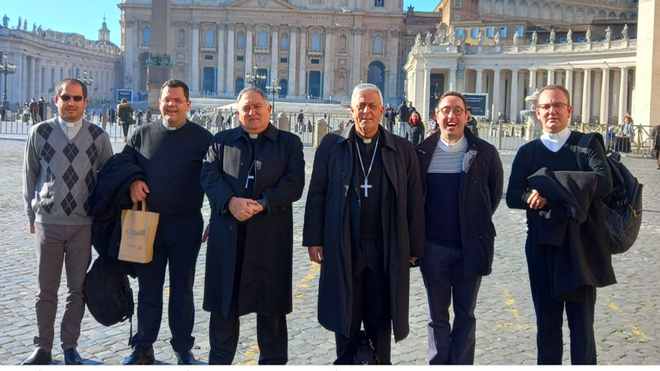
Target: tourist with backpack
x=568, y=253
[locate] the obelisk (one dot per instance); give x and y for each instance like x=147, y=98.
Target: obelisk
x=647, y=72
x=159, y=65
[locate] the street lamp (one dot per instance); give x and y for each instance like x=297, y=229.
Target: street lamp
x=254, y=77
x=273, y=88
x=6, y=69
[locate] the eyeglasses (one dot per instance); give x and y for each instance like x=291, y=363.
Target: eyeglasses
x=76, y=98
x=555, y=106
x=173, y=100
x=456, y=110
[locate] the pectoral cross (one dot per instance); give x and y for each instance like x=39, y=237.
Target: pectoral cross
x=247, y=181
x=366, y=187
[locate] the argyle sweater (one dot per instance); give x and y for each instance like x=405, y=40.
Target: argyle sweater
x=60, y=173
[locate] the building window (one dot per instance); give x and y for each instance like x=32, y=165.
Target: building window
x=379, y=3
x=284, y=60
x=490, y=32
x=209, y=38
x=315, y=61
x=474, y=33
x=263, y=39
x=457, y=3
x=502, y=32
x=240, y=41
x=181, y=38
x=208, y=57
x=520, y=30
x=316, y=41
x=378, y=45
x=240, y=58
x=284, y=42
x=146, y=36
x=459, y=33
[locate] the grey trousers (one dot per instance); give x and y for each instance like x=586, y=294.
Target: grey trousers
x=54, y=245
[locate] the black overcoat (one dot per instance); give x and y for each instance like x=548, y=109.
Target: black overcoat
x=328, y=224
x=265, y=286
x=482, y=180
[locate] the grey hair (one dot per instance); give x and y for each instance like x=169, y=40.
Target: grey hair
x=365, y=87
x=252, y=88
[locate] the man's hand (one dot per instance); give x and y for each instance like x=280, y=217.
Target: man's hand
x=244, y=208
x=535, y=201
x=139, y=191
x=315, y=254
x=31, y=228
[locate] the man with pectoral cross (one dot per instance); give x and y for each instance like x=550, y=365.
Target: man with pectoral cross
x=366, y=237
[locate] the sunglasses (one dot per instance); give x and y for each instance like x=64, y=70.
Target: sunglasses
x=76, y=98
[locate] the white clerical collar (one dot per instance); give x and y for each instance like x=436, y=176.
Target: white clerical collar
x=366, y=140
x=555, y=141
x=173, y=127
x=459, y=146
x=65, y=124
x=253, y=136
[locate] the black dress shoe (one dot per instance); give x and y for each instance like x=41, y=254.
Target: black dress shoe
x=185, y=358
x=71, y=357
x=141, y=356
x=39, y=357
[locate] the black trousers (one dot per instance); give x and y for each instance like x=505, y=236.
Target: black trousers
x=550, y=316
x=371, y=305
x=445, y=282
x=272, y=335
x=178, y=241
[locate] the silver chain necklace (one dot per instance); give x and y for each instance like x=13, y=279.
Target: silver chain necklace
x=366, y=184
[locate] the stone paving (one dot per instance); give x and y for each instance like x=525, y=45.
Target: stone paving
x=627, y=324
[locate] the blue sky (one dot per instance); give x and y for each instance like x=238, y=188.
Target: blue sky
x=85, y=16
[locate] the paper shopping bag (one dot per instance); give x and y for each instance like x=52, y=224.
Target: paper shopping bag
x=138, y=232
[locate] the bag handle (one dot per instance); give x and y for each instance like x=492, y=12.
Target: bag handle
x=144, y=205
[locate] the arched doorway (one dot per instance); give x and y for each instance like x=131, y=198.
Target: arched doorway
x=285, y=88
x=239, y=85
x=376, y=75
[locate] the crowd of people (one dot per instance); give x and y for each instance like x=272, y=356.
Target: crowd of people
x=429, y=206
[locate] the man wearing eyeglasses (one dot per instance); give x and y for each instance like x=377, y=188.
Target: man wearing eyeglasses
x=364, y=225
x=170, y=152
x=567, y=248
x=462, y=177
x=62, y=158
x=252, y=174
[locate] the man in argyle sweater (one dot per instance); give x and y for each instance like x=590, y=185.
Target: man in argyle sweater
x=62, y=157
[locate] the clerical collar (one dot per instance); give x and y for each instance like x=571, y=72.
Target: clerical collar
x=459, y=146
x=171, y=128
x=253, y=136
x=367, y=140
x=555, y=141
x=65, y=124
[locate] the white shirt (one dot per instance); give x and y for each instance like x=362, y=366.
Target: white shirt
x=69, y=128
x=554, y=141
x=172, y=127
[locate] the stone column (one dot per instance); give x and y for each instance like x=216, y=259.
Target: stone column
x=328, y=54
x=221, y=60
x=15, y=89
x=551, y=77
x=586, y=97
x=293, y=34
x=576, y=98
x=426, y=95
x=194, y=61
x=356, y=53
x=596, y=84
x=452, y=79
x=393, y=53
x=480, y=81
x=231, y=43
x=274, y=53
x=302, y=68
x=130, y=41
x=32, y=74
x=605, y=97
x=569, y=81
x=249, y=50
x=614, y=95
x=514, y=110
x=496, y=94
x=646, y=110
x=623, y=93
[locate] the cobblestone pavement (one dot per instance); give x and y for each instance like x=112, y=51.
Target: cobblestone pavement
x=627, y=324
